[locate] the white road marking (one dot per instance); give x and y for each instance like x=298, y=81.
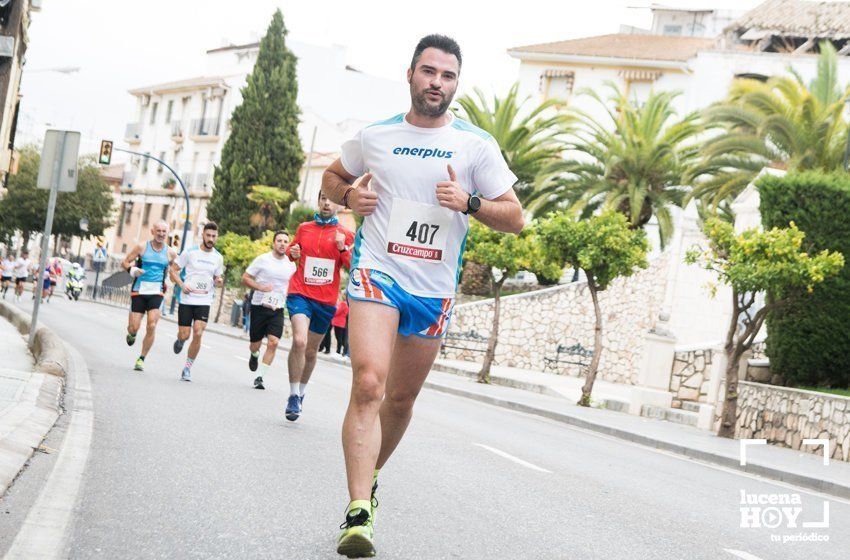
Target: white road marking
x=742, y=554
x=510, y=457
x=241, y=358
x=671, y=454
x=44, y=531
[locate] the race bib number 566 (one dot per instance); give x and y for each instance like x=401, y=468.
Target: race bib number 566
x=418, y=231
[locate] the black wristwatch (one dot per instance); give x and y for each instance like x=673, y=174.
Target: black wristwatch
x=473, y=205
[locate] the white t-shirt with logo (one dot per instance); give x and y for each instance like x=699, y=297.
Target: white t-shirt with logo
x=266, y=269
x=22, y=267
x=201, y=268
x=410, y=236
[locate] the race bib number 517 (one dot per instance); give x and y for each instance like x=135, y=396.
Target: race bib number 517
x=418, y=231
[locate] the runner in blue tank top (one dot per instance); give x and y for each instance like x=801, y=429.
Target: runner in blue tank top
x=148, y=265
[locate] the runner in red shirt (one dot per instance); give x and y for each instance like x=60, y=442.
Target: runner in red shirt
x=321, y=247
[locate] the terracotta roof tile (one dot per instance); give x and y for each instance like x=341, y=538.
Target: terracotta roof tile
x=622, y=45
x=798, y=18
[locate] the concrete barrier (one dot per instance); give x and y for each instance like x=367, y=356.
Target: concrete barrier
x=48, y=349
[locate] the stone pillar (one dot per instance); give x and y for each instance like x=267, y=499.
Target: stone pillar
x=707, y=414
x=653, y=386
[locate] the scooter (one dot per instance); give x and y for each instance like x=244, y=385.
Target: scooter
x=74, y=287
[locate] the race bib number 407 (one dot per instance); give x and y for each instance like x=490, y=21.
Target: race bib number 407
x=418, y=231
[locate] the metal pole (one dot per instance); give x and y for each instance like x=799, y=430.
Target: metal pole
x=97, y=267
x=45, y=242
x=179, y=180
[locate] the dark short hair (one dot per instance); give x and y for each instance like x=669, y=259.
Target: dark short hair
x=211, y=225
x=279, y=232
x=442, y=42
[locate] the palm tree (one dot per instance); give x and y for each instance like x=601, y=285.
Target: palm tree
x=530, y=140
x=782, y=123
x=636, y=162
x=270, y=206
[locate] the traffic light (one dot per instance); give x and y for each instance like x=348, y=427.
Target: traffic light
x=105, y=152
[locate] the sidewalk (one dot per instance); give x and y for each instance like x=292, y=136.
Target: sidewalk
x=29, y=403
x=554, y=397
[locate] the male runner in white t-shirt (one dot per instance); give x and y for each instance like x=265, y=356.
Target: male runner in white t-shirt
x=268, y=275
x=416, y=178
x=7, y=273
x=23, y=267
x=204, y=267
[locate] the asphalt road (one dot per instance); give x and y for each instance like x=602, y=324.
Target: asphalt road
x=211, y=469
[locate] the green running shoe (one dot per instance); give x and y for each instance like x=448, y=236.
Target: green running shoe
x=355, y=541
x=374, y=500
x=140, y=365
x=131, y=339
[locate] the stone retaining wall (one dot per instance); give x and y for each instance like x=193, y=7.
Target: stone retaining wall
x=533, y=325
x=785, y=417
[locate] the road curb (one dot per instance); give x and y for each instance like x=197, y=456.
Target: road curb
x=48, y=348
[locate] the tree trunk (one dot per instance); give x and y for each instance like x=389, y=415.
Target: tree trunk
x=484, y=374
x=25, y=240
x=475, y=279
x=597, y=345
x=220, y=303
x=730, y=399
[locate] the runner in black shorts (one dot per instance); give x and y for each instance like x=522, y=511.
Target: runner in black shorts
x=204, y=267
x=148, y=265
x=268, y=275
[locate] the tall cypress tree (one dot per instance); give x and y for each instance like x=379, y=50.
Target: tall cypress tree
x=263, y=147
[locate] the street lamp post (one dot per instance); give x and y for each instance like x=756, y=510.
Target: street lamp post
x=847, y=145
x=179, y=180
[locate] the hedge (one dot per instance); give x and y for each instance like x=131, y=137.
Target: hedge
x=808, y=342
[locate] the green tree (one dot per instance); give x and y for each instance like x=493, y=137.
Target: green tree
x=505, y=254
x=635, y=161
x=24, y=207
x=808, y=342
x=605, y=247
x=270, y=203
x=263, y=147
x=783, y=123
x=752, y=262
x=298, y=215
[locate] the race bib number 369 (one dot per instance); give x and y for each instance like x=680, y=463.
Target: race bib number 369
x=418, y=231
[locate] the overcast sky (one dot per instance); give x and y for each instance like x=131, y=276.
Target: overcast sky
x=121, y=44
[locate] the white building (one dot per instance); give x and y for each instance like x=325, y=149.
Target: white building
x=186, y=124
x=699, y=53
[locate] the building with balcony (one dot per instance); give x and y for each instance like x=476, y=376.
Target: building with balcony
x=186, y=124
x=14, y=22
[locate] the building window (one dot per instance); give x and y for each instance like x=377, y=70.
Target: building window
x=128, y=213
x=161, y=157
x=145, y=161
x=123, y=247
x=154, y=107
x=672, y=30
x=168, y=110
x=164, y=215
x=147, y=215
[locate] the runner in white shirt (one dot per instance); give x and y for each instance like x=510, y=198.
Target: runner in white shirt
x=7, y=273
x=416, y=178
x=268, y=275
x=204, y=267
x=23, y=266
